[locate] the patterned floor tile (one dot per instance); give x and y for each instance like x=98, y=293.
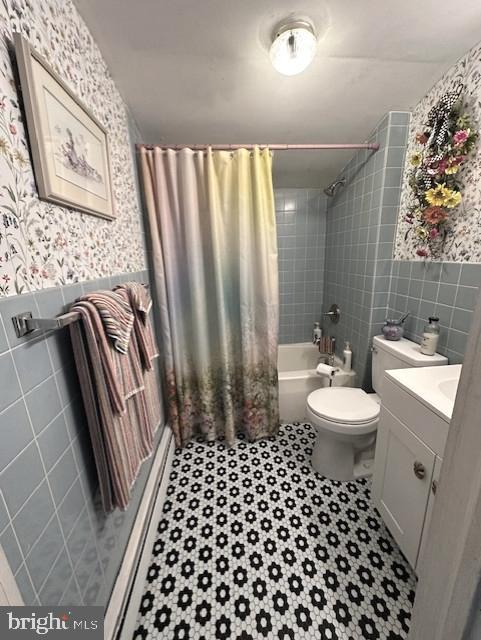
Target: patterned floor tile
x=254, y=544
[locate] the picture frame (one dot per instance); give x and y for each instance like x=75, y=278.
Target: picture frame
x=69, y=146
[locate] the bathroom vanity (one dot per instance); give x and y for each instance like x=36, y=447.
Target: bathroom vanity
x=417, y=406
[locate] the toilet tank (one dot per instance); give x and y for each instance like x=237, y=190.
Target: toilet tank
x=398, y=354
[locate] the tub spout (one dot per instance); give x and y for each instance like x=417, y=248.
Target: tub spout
x=326, y=358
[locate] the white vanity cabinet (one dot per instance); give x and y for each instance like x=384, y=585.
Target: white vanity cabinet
x=410, y=444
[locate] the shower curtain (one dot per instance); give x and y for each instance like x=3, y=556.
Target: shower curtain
x=214, y=252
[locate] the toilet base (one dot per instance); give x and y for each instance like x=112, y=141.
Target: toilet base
x=364, y=468
x=343, y=458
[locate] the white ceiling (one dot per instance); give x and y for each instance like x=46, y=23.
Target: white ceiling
x=197, y=71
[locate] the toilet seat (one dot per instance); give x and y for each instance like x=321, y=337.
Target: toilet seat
x=344, y=409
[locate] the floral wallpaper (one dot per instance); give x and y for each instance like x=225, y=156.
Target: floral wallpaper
x=464, y=244
x=42, y=244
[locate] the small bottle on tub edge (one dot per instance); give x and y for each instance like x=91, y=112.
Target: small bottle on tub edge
x=347, y=359
x=429, y=343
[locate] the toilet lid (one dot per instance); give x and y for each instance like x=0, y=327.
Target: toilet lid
x=343, y=404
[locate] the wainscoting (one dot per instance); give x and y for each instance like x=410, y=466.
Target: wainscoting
x=60, y=545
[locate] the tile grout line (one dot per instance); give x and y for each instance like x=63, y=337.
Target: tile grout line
x=93, y=528
x=48, y=484
x=43, y=430
x=64, y=453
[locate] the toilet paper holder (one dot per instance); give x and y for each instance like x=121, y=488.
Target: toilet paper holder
x=327, y=371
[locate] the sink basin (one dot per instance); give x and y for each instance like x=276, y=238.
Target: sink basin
x=449, y=388
x=435, y=387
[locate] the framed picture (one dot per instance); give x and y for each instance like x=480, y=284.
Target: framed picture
x=68, y=144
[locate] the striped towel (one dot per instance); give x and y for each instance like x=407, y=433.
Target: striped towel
x=123, y=375
x=117, y=446
x=121, y=399
x=95, y=399
x=140, y=299
x=117, y=316
x=141, y=303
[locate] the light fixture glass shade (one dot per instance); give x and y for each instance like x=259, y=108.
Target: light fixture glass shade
x=293, y=49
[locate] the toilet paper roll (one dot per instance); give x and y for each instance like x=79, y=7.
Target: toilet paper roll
x=326, y=370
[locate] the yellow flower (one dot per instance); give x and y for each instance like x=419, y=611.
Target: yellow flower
x=452, y=169
x=3, y=145
x=415, y=159
x=421, y=233
x=436, y=196
x=452, y=199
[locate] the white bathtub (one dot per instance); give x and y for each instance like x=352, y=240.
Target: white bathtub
x=297, y=378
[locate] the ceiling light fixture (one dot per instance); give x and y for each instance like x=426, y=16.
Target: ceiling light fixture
x=293, y=48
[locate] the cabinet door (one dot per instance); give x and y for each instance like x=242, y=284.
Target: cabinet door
x=402, y=482
x=429, y=511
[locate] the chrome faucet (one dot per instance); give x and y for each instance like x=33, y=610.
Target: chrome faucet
x=328, y=358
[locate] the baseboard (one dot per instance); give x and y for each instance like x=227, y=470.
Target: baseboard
x=119, y=617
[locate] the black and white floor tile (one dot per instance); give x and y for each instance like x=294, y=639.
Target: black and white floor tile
x=254, y=544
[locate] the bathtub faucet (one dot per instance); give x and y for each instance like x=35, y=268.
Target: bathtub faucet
x=328, y=358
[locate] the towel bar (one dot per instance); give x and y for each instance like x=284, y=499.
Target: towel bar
x=24, y=323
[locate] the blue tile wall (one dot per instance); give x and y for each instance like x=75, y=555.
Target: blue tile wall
x=362, y=277
x=361, y=221
x=301, y=231
x=61, y=546
x=445, y=289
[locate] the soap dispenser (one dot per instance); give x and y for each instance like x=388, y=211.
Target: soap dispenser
x=429, y=343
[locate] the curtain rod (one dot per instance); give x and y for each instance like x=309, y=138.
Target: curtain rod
x=374, y=146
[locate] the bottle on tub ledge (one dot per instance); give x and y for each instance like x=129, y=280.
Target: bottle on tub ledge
x=347, y=357
x=429, y=343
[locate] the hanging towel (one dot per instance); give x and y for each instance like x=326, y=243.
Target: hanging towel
x=139, y=297
x=121, y=398
x=117, y=316
x=141, y=303
x=92, y=392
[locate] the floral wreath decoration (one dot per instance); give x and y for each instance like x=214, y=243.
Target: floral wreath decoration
x=442, y=148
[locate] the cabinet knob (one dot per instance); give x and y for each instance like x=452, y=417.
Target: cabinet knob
x=434, y=486
x=419, y=470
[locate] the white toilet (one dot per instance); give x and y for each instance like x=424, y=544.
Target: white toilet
x=346, y=419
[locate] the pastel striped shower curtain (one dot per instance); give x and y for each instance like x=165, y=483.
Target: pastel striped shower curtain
x=214, y=247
